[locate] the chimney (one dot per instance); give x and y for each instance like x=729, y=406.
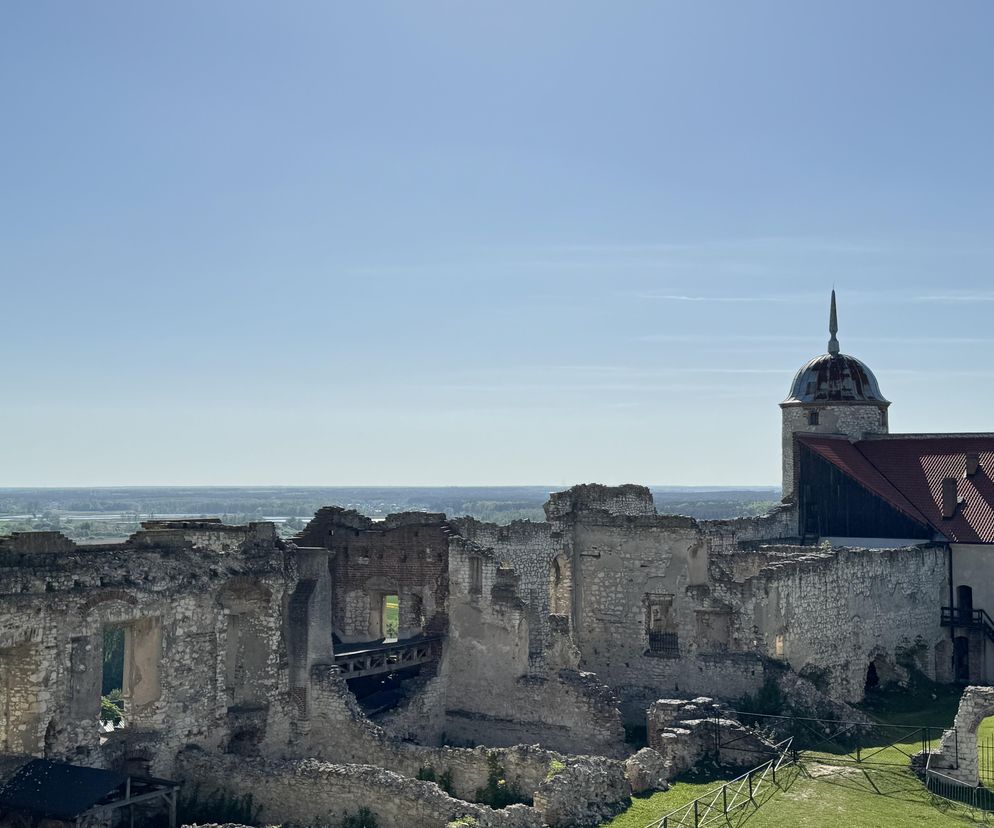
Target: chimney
x=948, y=497
x=972, y=462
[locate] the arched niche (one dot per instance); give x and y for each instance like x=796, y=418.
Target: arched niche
x=248, y=641
x=560, y=586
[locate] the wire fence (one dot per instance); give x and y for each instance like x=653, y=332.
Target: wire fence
x=736, y=798
x=861, y=742
x=943, y=786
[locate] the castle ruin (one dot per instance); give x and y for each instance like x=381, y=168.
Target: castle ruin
x=255, y=664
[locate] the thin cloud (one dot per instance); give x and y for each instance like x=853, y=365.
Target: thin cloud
x=895, y=340
x=677, y=297
x=955, y=298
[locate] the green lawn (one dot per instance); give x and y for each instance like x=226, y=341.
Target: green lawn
x=984, y=734
x=822, y=795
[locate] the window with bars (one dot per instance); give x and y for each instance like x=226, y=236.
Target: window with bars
x=664, y=644
x=660, y=626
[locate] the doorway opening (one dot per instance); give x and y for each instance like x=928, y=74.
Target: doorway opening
x=964, y=603
x=872, y=679
x=961, y=659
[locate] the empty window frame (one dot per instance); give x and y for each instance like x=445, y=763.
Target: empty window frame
x=475, y=576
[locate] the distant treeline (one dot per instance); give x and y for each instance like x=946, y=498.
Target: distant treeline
x=68, y=509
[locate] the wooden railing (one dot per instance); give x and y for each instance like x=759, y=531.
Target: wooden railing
x=388, y=657
x=750, y=790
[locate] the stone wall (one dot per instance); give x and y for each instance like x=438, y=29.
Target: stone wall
x=685, y=732
x=530, y=549
x=829, y=613
x=853, y=420
x=309, y=792
x=575, y=791
x=405, y=555
x=206, y=657
x=957, y=754
x=647, y=617
x=494, y=692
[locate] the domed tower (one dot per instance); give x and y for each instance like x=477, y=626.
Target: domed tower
x=832, y=394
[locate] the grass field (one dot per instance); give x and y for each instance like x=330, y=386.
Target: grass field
x=882, y=794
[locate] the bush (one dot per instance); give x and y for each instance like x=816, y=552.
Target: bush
x=769, y=699
x=363, y=818
x=444, y=780
x=111, y=706
x=497, y=793
x=218, y=807
x=555, y=768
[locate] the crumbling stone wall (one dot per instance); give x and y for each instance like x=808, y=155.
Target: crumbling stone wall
x=646, y=617
x=684, y=732
x=957, y=754
x=310, y=791
x=404, y=555
x=829, y=613
x=494, y=693
x=165, y=588
x=575, y=791
x=534, y=551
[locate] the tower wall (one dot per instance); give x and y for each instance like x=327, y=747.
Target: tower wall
x=852, y=420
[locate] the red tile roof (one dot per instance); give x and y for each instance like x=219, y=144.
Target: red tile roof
x=907, y=471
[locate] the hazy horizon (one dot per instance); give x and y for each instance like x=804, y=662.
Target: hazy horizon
x=270, y=486
x=446, y=242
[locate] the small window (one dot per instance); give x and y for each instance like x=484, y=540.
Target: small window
x=664, y=644
x=883, y=418
x=812, y=418
x=475, y=576
x=660, y=625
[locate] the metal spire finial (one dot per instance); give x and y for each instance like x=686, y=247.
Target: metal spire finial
x=833, y=328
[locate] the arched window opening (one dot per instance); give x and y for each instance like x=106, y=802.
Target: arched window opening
x=872, y=679
x=560, y=586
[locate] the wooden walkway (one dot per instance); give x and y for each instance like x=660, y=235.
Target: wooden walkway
x=387, y=657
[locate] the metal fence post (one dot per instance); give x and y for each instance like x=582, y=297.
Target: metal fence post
x=724, y=799
x=750, y=785
x=696, y=820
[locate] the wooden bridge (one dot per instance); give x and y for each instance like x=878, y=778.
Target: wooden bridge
x=371, y=659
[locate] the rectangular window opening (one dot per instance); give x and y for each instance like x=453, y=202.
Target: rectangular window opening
x=475, y=576
x=660, y=625
x=391, y=617
x=112, y=685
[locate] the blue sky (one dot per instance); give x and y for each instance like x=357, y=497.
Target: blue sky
x=453, y=242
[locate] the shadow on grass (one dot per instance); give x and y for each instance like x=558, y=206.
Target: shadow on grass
x=895, y=783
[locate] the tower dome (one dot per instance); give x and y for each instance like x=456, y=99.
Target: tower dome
x=832, y=394
x=834, y=377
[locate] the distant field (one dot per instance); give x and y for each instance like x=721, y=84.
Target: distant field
x=103, y=513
